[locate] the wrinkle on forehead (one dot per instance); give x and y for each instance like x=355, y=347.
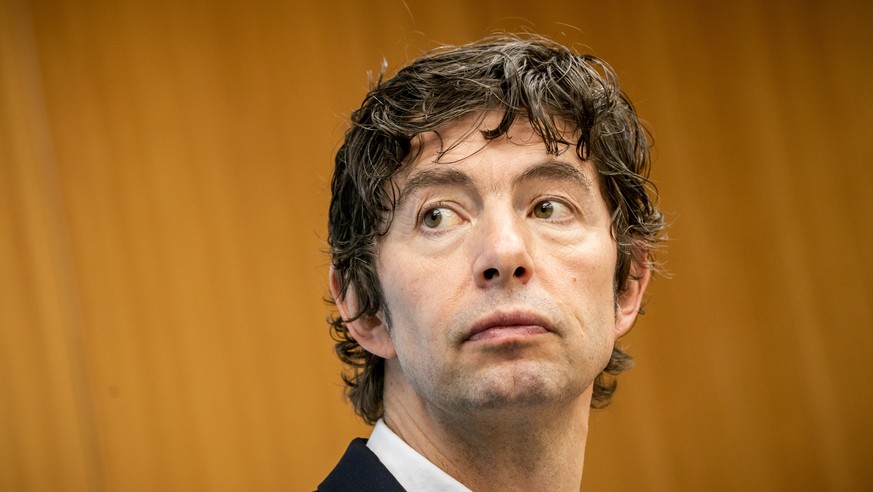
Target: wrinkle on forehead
x=440, y=146
x=434, y=152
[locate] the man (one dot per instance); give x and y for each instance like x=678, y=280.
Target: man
x=491, y=229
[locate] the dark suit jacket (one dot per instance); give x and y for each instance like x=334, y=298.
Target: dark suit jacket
x=359, y=470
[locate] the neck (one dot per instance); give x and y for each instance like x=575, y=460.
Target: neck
x=538, y=448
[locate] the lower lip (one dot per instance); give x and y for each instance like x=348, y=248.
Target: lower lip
x=505, y=332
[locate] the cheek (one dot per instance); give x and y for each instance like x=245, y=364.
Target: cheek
x=587, y=268
x=415, y=293
x=581, y=278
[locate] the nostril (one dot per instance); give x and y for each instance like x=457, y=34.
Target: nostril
x=491, y=273
x=519, y=272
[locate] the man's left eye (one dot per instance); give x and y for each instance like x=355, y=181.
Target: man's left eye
x=544, y=210
x=549, y=209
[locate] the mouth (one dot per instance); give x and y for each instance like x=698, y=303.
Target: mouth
x=508, y=325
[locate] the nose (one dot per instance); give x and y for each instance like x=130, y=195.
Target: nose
x=502, y=252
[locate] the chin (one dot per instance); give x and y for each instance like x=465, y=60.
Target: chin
x=522, y=388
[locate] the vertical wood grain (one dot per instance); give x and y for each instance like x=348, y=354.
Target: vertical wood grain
x=47, y=429
x=164, y=171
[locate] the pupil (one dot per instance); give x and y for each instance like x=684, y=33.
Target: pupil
x=433, y=218
x=545, y=210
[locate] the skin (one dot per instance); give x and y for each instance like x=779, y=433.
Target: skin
x=498, y=279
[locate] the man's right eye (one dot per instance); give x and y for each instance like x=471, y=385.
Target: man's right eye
x=433, y=217
x=440, y=217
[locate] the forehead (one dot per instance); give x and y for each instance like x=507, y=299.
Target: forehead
x=463, y=142
x=470, y=129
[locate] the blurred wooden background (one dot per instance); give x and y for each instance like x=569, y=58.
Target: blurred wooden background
x=164, y=172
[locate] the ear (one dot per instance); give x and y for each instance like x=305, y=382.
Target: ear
x=370, y=332
x=630, y=300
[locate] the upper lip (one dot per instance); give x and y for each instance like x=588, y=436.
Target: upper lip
x=509, y=318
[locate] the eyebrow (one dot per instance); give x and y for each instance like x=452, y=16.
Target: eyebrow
x=551, y=169
x=434, y=178
x=555, y=170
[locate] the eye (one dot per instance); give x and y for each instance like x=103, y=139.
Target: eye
x=550, y=209
x=433, y=217
x=544, y=210
x=439, y=217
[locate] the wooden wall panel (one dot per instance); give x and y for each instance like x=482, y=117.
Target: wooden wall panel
x=164, y=184
x=46, y=424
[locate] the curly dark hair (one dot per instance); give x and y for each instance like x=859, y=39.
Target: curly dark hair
x=533, y=78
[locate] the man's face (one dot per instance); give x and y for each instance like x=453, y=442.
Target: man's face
x=497, y=272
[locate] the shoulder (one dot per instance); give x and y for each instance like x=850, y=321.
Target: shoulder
x=360, y=470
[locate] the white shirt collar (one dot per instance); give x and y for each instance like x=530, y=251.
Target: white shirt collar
x=414, y=472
